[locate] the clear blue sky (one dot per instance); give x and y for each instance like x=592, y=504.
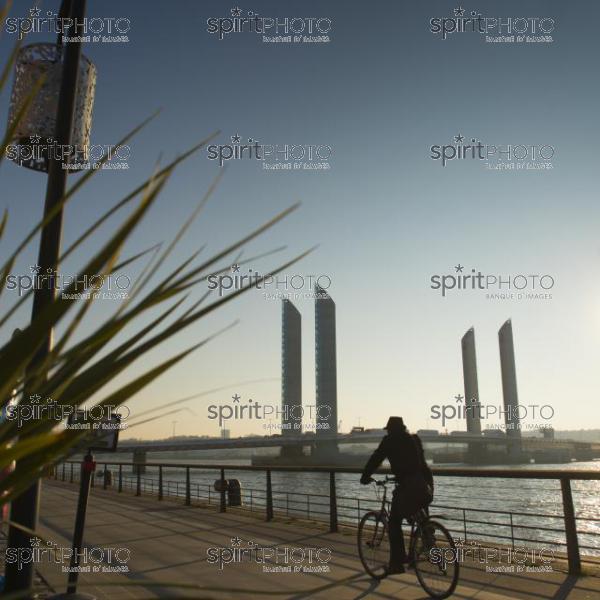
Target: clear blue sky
x=386, y=216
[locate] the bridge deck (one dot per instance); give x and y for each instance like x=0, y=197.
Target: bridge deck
x=168, y=544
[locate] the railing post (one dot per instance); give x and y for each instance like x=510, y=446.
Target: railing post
x=223, y=506
x=138, y=491
x=465, y=523
x=333, y=517
x=71, y=477
x=120, y=478
x=63, y=471
x=160, y=483
x=269, y=497
x=104, y=483
x=570, y=527
x=188, y=495
x=512, y=533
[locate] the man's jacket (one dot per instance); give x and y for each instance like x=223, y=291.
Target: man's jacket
x=404, y=453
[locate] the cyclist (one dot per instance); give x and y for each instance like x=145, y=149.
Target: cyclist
x=414, y=487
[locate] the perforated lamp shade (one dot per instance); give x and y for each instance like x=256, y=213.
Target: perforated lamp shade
x=33, y=143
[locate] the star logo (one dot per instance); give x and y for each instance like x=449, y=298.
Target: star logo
x=35, y=398
x=459, y=398
x=459, y=12
x=236, y=541
x=235, y=268
x=35, y=541
x=236, y=398
x=35, y=269
x=34, y=12
x=235, y=139
x=34, y=139
x=459, y=139
x=459, y=268
x=236, y=12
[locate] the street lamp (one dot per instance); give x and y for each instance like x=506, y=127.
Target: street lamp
x=64, y=100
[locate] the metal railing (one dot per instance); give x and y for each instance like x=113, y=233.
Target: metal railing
x=471, y=523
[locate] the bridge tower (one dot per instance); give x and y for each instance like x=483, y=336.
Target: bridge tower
x=291, y=376
x=509, y=390
x=472, y=404
x=326, y=373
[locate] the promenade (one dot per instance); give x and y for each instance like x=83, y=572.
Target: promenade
x=169, y=543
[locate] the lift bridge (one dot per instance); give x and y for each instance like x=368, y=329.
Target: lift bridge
x=473, y=446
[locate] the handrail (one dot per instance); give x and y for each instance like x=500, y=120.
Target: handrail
x=442, y=471
x=563, y=476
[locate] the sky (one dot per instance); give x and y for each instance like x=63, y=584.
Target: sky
x=386, y=217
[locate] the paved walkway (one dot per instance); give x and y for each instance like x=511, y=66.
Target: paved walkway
x=171, y=544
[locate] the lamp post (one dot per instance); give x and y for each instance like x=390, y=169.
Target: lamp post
x=66, y=93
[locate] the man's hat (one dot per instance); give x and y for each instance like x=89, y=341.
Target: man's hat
x=395, y=424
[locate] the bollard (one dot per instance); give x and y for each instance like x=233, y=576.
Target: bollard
x=120, y=478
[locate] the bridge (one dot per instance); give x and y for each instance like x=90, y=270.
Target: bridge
x=481, y=449
x=278, y=441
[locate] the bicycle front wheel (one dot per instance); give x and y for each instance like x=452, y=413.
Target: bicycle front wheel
x=374, y=544
x=435, y=559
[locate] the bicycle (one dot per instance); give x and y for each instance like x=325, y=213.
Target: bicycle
x=429, y=547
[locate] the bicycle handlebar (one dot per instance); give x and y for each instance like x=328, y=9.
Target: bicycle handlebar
x=382, y=482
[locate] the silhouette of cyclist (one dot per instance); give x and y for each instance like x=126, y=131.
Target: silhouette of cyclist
x=414, y=487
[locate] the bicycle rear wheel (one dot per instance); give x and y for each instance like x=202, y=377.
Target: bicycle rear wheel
x=374, y=544
x=435, y=559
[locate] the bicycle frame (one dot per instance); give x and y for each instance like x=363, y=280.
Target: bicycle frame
x=416, y=521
